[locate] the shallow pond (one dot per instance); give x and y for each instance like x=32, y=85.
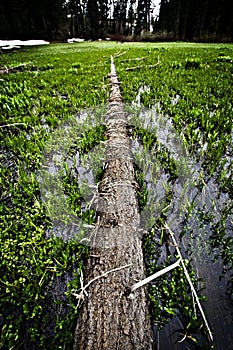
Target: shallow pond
x=206, y=201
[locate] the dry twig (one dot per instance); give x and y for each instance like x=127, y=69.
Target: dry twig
x=120, y=53
x=15, y=124
x=140, y=67
x=80, y=296
x=14, y=69
x=135, y=59
x=155, y=275
x=189, y=280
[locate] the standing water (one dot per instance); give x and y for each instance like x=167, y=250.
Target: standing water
x=208, y=205
x=211, y=209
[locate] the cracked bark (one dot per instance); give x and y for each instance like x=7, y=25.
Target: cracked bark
x=109, y=317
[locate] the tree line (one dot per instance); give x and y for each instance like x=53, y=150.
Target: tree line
x=92, y=19
x=197, y=19
x=59, y=19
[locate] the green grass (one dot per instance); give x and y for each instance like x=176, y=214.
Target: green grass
x=58, y=82
x=193, y=86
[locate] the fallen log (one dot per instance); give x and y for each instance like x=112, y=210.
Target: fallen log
x=111, y=316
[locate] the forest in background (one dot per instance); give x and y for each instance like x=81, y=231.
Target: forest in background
x=58, y=20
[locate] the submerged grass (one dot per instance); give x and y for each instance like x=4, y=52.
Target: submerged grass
x=192, y=86
x=39, y=270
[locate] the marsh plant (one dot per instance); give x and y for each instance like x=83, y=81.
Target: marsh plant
x=184, y=133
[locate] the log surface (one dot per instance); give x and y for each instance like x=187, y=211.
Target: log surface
x=111, y=318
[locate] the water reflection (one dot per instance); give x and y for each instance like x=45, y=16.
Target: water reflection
x=211, y=208
x=191, y=188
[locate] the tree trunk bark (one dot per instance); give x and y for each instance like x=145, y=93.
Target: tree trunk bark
x=111, y=317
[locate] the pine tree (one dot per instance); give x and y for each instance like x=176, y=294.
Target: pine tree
x=103, y=12
x=120, y=16
x=131, y=16
x=92, y=24
x=143, y=16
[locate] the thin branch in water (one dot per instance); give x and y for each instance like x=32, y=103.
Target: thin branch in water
x=15, y=124
x=18, y=68
x=135, y=59
x=189, y=280
x=140, y=67
x=120, y=53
